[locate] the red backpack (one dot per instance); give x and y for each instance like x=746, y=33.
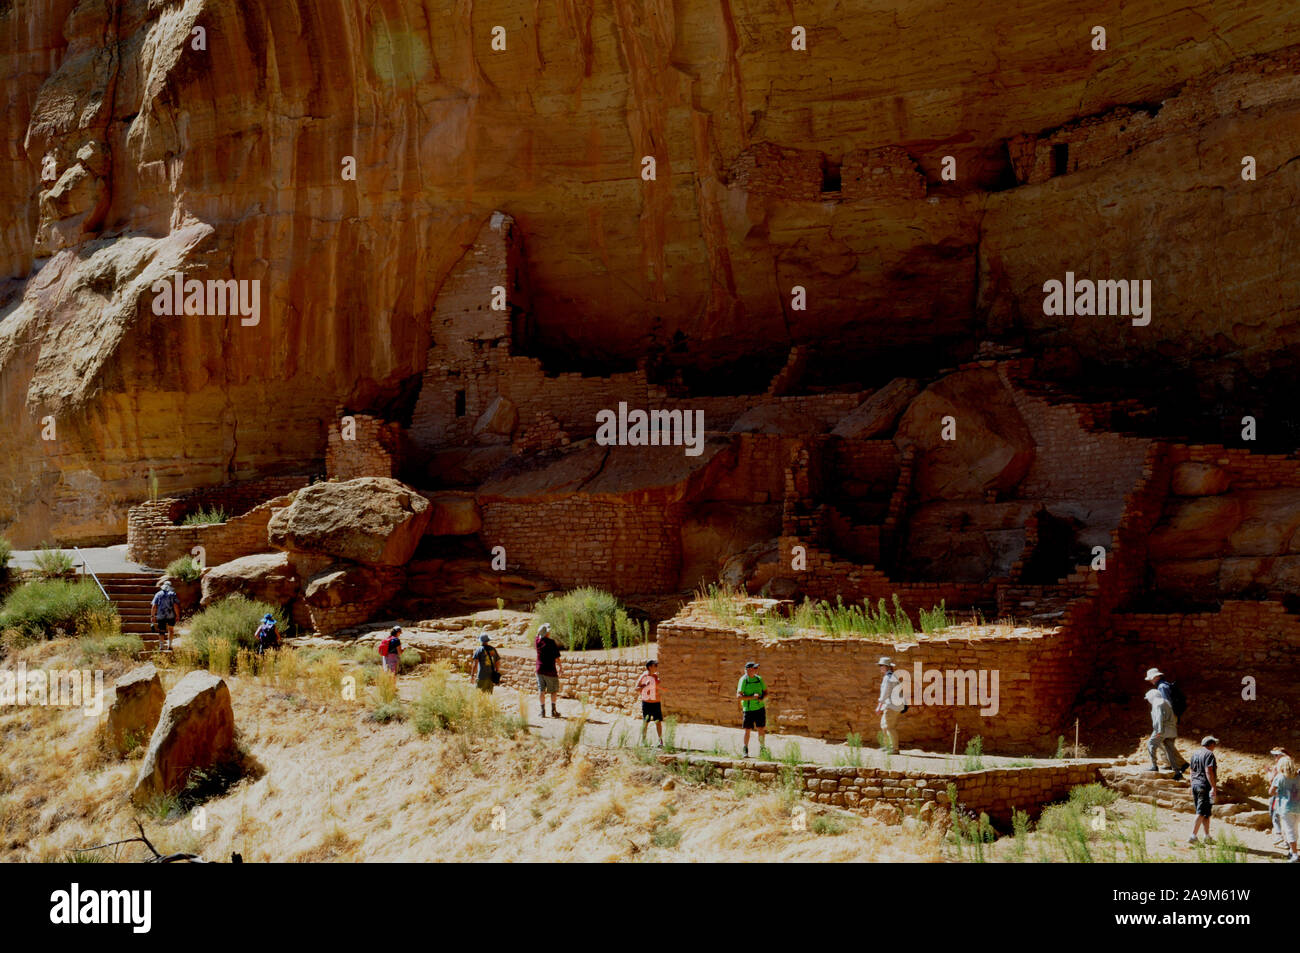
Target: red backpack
x=385, y=645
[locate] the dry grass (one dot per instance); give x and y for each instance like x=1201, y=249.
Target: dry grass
x=339, y=787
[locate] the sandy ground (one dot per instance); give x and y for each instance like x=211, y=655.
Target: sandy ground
x=331, y=784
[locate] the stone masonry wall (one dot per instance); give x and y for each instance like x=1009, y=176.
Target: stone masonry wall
x=154, y=538
x=608, y=683
x=827, y=687
x=374, y=451
x=626, y=547
x=995, y=792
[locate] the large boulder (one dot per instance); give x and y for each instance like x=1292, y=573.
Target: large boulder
x=879, y=412
x=371, y=520
x=352, y=584
x=195, y=732
x=992, y=450
x=500, y=418
x=1198, y=479
x=264, y=577
x=454, y=515
x=137, y=705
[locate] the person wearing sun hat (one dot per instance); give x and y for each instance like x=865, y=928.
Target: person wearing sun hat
x=889, y=705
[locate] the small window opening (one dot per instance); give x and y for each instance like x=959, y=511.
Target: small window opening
x=460, y=403
x=1060, y=158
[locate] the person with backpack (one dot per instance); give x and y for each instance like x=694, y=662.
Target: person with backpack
x=266, y=637
x=390, y=649
x=1165, y=733
x=889, y=705
x=162, y=613
x=485, y=667
x=548, y=669
x=752, y=690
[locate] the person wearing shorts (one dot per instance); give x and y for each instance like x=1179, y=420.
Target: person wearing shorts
x=1286, y=788
x=1203, y=768
x=652, y=708
x=548, y=669
x=752, y=690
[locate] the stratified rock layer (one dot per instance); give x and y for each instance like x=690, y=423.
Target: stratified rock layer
x=217, y=139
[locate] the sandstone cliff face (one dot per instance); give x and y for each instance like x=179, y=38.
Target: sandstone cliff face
x=133, y=155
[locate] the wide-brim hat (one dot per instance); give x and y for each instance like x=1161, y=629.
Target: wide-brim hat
x=485, y=638
x=885, y=660
x=751, y=665
x=1152, y=673
x=1209, y=740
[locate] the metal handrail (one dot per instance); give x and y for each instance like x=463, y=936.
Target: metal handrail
x=86, y=569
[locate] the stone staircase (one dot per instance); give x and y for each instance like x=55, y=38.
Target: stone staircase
x=132, y=593
x=1140, y=783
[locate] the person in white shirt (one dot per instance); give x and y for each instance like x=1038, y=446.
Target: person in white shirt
x=890, y=704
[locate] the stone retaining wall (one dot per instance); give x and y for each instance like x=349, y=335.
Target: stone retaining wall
x=608, y=683
x=154, y=538
x=995, y=792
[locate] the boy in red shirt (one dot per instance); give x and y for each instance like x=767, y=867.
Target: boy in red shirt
x=651, y=704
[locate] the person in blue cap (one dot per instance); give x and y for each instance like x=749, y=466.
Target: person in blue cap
x=266, y=637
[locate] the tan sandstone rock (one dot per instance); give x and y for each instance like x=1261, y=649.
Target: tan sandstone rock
x=265, y=577
x=137, y=703
x=371, y=520
x=877, y=415
x=195, y=732
x=992, y=450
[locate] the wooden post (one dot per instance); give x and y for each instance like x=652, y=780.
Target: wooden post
x=1076, y=738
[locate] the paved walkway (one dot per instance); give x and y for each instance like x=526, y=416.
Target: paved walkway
x=97, y=559
x=614, y=730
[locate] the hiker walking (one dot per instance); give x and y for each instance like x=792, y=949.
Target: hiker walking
x=1286, y=786
x=652, y=708
x=485, y=666
x=1279, y=838
x=266, y=637
x=889, y=705
x=391, y=650
x=751, y=690
x=1204, y=770
x=1165, y=731
x=162, y=613
x=548, y=669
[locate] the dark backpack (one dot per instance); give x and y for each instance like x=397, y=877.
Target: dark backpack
x=493, y=665
x=1177, y=700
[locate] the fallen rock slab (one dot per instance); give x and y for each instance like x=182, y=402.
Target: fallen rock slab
x=136, y=708
x=195, y=732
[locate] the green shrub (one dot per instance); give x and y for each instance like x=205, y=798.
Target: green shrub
x=6, y=550
x=184, y=569
x=451, y=704
x=48, y=607
x=410, y=658
x=53, y=563
x=974, y=760
x=204, y=517
x=232, y=621
x=1087, y=796
x=587, y=618
x=121, y=646
x=828, y=824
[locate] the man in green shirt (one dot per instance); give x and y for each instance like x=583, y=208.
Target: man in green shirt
x=751, y=690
